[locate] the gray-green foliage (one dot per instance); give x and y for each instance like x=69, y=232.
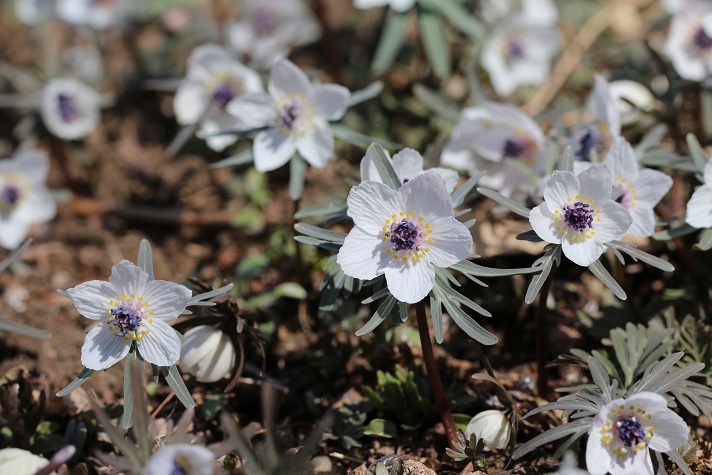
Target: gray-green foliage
x=471, y=449
x=388, y=465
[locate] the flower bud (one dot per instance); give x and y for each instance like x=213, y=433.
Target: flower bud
x=492, y=426
x=207, y=354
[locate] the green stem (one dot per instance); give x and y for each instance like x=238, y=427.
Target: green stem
x=431, y=368
x=542, y=340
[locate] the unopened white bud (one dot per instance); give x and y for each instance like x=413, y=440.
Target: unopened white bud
x=492, y=426
x=207, y=354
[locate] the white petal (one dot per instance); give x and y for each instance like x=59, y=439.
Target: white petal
x=37, y=207
x=12, y=233
x=330, y=101
x=707, y=172
x=409, y=281
x=606, y=109
x=451, y=242
x=34, y=165
x=542, y=221
x=614, y=221
x=559, y=188
x=407, y=164
x=643, y=221
x=371, y=203
x=166, y=300
x=272, y=149
x=161, y=345
x=219, y=362
x=287, y=79
x=191, y=459
x=363, y=254
x=629, y=464
x=128, y=278
x=670, y=431
x=599, y=459
x=402, y=5
x=364, y=4
x=450, y=177
x=651, y=186
x=92, y=299
x=18, y=461
x=317, y=145
x=253, y=110
x=190, y=102
x=582, y=253
x=102, y=349
x=699, y=208
x=426, y=194
x=621, y=160
x=368, y=168
x=596, y=184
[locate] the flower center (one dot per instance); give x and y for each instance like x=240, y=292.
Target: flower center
x=407, y=235
x=181, y=466
x=519, y=148
x=223, y=93
x=579, y=216
x=67, y=109
x=630, y=432
x=10, y=195
x=515, y=49
x=701, y=39
x=127, y=317
x=628, y=195
x=264, y=20
x=294, y=116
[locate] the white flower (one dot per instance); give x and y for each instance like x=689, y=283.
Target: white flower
x=21, y=462
x=84, y=61
x=297, y=113
x=535, y=12
x=397, y=5
x=492, y=426
x=699, y=208
x=625, y=93
x=689, y=41
x=519, y=52
x=131, y=309
x=267, y=29
x=492, y=138
x=598, y=134
x=407, y=164
x=641, y=189
x=24, y=199
x=32, y=12
x=214, y=78
x=624, y=430
x=403, y=235
x=207, y=354
x=184, y=459
x=98, y=15
x=70, y=109
x=579, y=214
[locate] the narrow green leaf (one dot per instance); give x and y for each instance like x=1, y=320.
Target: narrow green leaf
x=358, y=139
x=145, y=258
x=653, y=138
x=391, y=41
x=567, y=160
x=127, y=417
x=368, y=92
x=637, y=254
x=239, y=158
x=508, y=203
x=320, y=211
x=320, y=233
x=5, y=263
x=21, y=329
x=436, y=315
x=297, y=170
x=383, y=311
x=208, y=295
x=604, y=276
x=175, y=381
x=697, y=152
x=459, y=17
x=81, y=379
x=436, y=103
x=379, y=157
x=458, y=196
x=545, y=263
x=674, y=232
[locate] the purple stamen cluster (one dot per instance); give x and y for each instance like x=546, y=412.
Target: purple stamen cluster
x=67, y=109
x=10, y=194
x=630, y=432
x=223, y=94
x=578, y=216
x=515, y=48
x=289, y=115
x=701, y=39
x=517, y=148
x=587, y=143
x=179, y=469
x=404, y=235
x=126, y=319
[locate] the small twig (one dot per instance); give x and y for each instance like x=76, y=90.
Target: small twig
x=163, y=404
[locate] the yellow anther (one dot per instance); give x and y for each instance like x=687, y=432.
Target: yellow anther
x=556, y=219
x=598, y=218
x=385, y=228
x=420, y=254
x=140, y=298
x=412, y=213
x=420, y=218
x=140, y=337
x=109, y=312
x=429, y=239
x=566, y=233
x=133, y=296
x=384, y=238
x=388, y=221
x=578, y=197
x=126, y=296
x=415, y=258
x=145, y=304
x=558, y=228
x=556, y=211
x=150, y=320
x=394, y=216
x=150, y=312
x=126, y=337
x=111, y=302
x=405, y=258
x=389, y=250
x=591, y=201
x=402, y=213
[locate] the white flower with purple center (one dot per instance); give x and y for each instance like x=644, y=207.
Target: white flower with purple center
x=24, y=198
x=296, y=114
x=69, y=108
x=641, y=190
x=579, y=214
x=214, y=78
x=181, y=459
x=626, y=429
x=492, y=138
x=600, y=133
x=699, y=208
x=397, y=5
x=407, y=164
x=519, y=52
x=132, y=310
x=403, y=234
x=267, y=29
x=536, y=12
x=689, y=41
x=94, y=13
